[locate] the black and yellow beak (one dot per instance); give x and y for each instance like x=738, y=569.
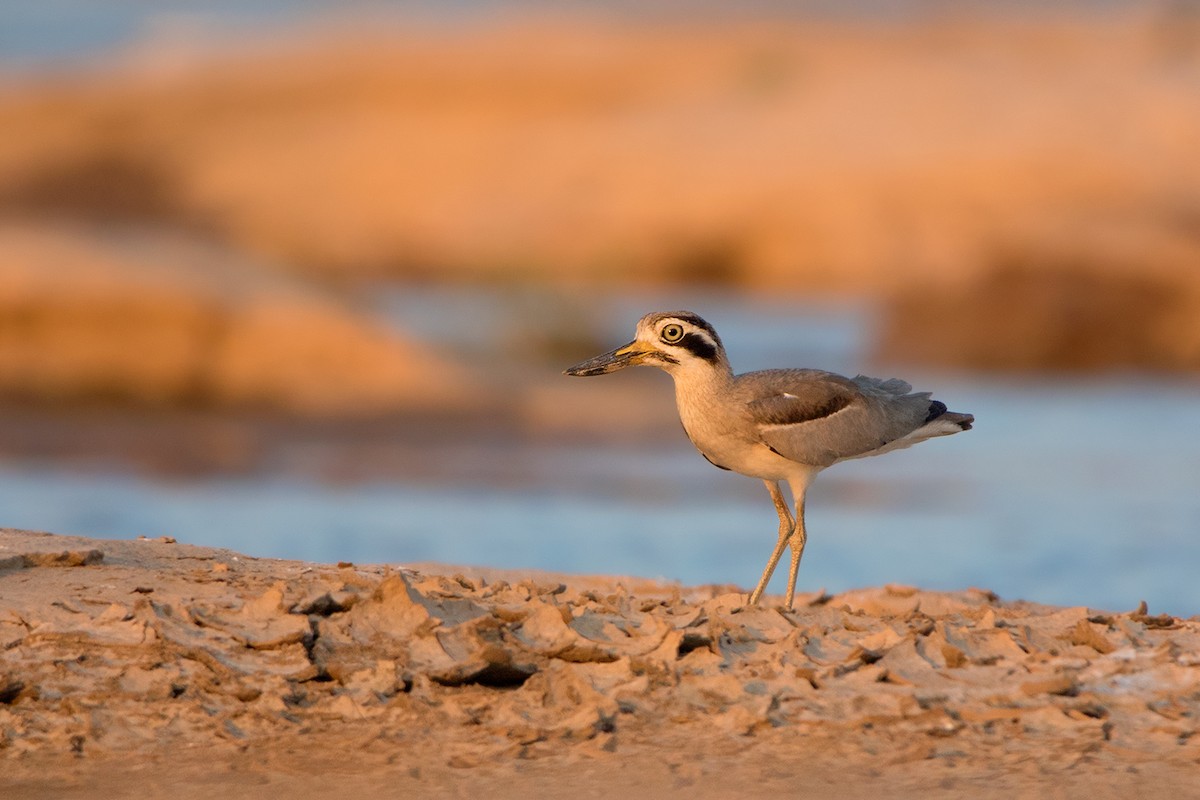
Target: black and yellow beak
x=629, y=355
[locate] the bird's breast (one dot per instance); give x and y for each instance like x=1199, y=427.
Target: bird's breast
x=727, y=438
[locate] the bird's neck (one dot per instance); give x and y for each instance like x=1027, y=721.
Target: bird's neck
x=699, y=382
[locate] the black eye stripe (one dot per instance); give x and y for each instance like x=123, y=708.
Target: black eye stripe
x=698, y=345
x=699, y=338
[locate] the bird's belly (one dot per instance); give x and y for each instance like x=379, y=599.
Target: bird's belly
x=754, y=459
x=729, y=441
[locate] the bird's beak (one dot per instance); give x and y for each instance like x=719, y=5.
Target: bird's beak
x=630, y=355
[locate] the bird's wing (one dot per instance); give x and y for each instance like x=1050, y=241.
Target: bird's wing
x=815, y=417
x=797, y=398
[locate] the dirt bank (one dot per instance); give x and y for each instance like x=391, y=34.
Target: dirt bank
x=782, y=153
x=126, y=318
x=152, y=668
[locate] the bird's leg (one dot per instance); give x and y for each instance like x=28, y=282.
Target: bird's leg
x=786, y=524
x=796, y=541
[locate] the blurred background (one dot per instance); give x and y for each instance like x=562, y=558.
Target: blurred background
x=300, y=279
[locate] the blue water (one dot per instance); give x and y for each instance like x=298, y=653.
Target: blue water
x=1066, y=492
x=36, y=34
x=39, y=34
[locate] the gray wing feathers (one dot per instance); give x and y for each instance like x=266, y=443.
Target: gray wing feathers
x=818, y=418
x=889, y=386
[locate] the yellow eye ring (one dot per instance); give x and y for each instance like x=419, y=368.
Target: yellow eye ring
x=672, y=333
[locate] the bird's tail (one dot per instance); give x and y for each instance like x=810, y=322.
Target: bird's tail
x=939, y=413
x=964, y=421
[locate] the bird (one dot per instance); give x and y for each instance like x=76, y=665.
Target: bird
x=778, y=425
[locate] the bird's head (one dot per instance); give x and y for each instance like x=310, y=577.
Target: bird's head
x=672, y=341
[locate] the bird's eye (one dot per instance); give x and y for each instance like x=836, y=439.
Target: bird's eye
x=672, y=333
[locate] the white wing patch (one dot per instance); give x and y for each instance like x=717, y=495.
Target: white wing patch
x=809, y=423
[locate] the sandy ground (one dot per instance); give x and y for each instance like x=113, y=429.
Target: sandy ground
x=153, y=669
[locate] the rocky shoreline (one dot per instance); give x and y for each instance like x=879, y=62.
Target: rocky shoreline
x=198, y=670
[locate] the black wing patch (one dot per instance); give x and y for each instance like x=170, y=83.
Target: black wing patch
x=715, y=464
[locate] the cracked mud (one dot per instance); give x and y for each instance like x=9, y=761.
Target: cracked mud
x=182, y=661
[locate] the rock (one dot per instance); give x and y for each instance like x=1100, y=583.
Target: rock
x=1059, y=684
x=889, y=601
x=470, y=652
x=544, y=631
x=10, y=688
x=63, y=621
x=263, y=622
x=982, y=645
x=1079, y=313
x=607, y=636
x=378, y=627
x=65, y=558
x=324, y=603
x=880, y=641
x=154, y=683
x=906, y=662
x=757, y=624
x=567, y=705
x=221, y=650
x=382, y=679
x=161, y=321
x=1084, y=633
